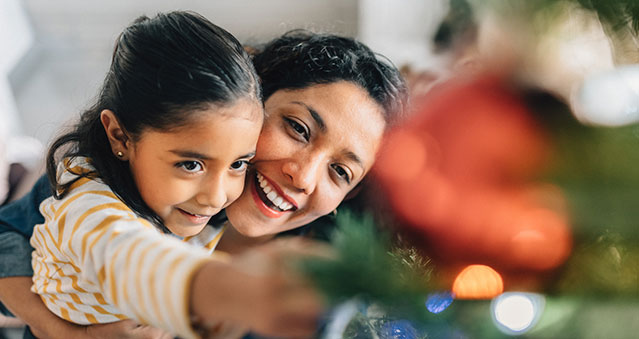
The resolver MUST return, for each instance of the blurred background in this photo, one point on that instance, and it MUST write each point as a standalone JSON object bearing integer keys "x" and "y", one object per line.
{"x": 511, "y": 192}
{"x": 59, "y": 51}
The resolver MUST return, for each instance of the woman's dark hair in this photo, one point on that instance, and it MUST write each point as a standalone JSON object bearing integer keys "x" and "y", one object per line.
{"x": 163, "y": 70}
{"x": 299, "y": 59}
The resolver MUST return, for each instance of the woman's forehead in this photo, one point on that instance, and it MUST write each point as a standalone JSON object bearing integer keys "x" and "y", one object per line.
{"x": 346, "y": 116}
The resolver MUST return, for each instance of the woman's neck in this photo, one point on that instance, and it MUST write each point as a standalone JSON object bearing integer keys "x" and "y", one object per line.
{"x": 233, "y": 242}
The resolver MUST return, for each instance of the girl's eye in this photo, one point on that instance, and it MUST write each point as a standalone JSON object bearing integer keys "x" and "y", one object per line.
{"x": 298, "y": 128}
{"x": 190, "y": 166}
{"x": 240, "y": 166}
{"x": 342, "y": 173}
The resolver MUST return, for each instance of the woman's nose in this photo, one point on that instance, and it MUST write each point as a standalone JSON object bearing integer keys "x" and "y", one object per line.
{"x": 304, "y": 172}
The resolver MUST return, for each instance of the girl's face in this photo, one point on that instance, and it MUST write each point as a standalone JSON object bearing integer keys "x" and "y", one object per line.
{"x": 189, "y": 174}
{"x": 317, "y": 143}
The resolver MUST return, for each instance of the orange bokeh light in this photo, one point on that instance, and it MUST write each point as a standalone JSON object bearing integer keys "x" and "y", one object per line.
{"x": 478, "y": 282}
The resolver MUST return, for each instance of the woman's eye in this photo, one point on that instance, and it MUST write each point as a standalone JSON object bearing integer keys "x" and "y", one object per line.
{"x": 298, "y": 128}
{"x": 190, "y": 166}
{"x": 342, "y": 173}
{"x": 240, "y": 166}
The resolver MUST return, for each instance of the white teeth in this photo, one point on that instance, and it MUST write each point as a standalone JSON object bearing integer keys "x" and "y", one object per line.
{"x": 272, "y": 195}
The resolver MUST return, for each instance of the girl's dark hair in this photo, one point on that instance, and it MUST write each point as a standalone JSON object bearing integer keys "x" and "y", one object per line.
{"x": 299, "y": 59}
{"x": 163, "y": 70}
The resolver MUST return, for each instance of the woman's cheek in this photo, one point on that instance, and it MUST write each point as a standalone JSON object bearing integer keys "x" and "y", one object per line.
{"x": 274, "y": 145}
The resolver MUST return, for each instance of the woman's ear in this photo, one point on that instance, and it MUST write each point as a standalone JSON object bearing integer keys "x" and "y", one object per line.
{"x": 116, "y": 134}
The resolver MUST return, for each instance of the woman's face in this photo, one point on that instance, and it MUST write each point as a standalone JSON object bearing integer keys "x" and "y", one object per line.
{"x": 317, "y": 143}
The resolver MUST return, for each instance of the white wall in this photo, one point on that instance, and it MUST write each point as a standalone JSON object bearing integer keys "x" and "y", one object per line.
{"x": 15, "y": 39}
{"x": 402, "y": 29}
{"x": 74, "y": 41}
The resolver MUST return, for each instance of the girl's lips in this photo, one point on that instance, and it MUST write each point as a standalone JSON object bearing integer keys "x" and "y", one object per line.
{"x": 195, "y": 218}
{"x": 263, "y": 204}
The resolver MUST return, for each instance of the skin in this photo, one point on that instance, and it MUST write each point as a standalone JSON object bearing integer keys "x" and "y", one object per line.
{"x": 187, "y": 175}
{"x": 311, "y": 165}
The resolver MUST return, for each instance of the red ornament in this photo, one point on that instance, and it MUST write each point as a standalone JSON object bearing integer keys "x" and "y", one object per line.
{"x": 463, "y": 172}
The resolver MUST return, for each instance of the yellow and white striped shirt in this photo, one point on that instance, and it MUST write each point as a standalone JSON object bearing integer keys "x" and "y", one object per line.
{"x": 96, "y": 261}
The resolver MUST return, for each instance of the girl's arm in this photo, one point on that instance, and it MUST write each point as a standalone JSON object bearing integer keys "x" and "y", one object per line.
{"x": 261, "y": 290}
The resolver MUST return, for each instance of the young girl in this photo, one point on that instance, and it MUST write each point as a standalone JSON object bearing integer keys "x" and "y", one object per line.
{"x": 165, "y": 147}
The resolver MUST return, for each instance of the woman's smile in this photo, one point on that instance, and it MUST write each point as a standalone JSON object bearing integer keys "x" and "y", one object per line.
{"x": 270, "y": 198}
{"x": 311, "y": 152}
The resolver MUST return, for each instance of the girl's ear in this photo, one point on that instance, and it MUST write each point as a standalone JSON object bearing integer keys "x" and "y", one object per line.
{"x": 115, "y": 133}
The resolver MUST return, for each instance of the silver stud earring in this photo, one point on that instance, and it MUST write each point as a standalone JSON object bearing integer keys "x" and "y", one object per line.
{"x": 119, "y": 154}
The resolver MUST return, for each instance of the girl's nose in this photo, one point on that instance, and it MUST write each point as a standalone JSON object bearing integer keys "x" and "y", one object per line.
{"x": 213, "y": 193}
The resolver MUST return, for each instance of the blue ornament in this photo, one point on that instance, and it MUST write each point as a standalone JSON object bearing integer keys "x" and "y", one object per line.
{"x": 398, "y": 329}
{"x": 439, "y": 301}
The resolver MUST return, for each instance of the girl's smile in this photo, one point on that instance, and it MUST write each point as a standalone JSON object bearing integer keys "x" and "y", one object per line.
{"x": 188, "y": 174}
{"x": 196, "y": 219}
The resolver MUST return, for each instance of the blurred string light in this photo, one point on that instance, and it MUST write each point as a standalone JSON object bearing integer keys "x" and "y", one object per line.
{"x": 478, "y": 282}
{"x": 609, "y": 98}
{"x": 516, "y": 313}
{"x": 398, "y": 329}
{"x": 339, "y": 319}
{"x": 439, "y": 301}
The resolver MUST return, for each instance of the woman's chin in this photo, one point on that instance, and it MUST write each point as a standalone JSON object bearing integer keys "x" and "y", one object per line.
{"x": 256, "y": 234}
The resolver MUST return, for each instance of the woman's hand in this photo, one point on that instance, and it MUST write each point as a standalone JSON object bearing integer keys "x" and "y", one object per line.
{"x": 15, "y": 293}
{"x": 260, "y": 289}
{"x": 126, "y": 329}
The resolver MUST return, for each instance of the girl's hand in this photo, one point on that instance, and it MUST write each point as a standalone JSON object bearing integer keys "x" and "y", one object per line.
{"x": 127, "y": 329}
{"x": 260, "y": 289}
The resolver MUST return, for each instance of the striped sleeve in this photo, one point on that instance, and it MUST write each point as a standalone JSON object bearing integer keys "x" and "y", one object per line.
{"x": 144, "y": 273}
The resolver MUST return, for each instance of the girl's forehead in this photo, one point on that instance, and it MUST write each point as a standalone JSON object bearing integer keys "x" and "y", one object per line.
{"x": 248, "y": 108}
{"x": 245, "y": 108}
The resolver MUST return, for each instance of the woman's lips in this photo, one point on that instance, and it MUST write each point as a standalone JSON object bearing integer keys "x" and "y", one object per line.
{"x": 269, "y": 198}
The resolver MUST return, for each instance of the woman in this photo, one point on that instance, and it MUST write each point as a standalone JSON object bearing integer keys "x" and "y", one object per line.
{"x": 329, "y": 100}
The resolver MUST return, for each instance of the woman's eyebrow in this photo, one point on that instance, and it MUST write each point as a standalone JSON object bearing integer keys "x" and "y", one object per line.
{"x": 316, "y": 116}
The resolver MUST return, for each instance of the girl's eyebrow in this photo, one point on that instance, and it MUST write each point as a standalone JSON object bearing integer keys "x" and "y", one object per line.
{"x": 190, "y": 154}
{"x": 247, "y": 155}
{"x": 357, "y": 160}
{"x": 316, "y": 116}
